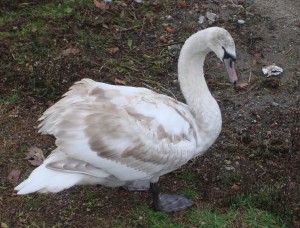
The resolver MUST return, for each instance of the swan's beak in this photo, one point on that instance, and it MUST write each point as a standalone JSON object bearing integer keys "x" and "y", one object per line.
{"x": 229, "y": 64}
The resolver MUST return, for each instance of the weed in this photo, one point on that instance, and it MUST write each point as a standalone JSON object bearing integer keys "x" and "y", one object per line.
{"x": 10, "y": 100}
{"x": 149, "y": 218}
{"x": 191, "y": 194}
{"x": 208, "y": 218}
{"x": 188, "y": 176}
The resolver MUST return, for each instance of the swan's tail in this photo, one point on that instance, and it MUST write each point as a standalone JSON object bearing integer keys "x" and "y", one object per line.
{"x": 44, "y": 179}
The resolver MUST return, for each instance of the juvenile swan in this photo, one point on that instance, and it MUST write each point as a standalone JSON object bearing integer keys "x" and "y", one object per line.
{"x": 119, "y": 135}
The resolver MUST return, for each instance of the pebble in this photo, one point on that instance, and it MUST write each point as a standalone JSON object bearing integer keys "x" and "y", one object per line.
{"x": 201, "y": 19}
{"x": 211, "y": 17}
{"x": 274, "y": 104}
{"x": 229, "y": 168}
{"x": 241, "y": 22}
{"x": 228, "y": 162}
{"x": 175, "y": 82}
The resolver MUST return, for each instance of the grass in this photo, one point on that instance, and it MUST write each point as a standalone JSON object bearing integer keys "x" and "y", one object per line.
{"x": 14, "y": 98}
{"x": 205, "y": 217}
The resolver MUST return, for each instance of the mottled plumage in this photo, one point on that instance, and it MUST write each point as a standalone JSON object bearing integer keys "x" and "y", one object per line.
{"x": 114, "y": 135}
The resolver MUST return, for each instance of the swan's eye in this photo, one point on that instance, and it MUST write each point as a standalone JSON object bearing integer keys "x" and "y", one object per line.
{"x": 228, "y": 56}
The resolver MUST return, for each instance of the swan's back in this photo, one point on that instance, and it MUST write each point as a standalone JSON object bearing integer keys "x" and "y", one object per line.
{"x": 130, "y": 133}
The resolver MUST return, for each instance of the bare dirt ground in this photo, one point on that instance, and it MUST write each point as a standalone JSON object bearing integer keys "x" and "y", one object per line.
{"x": 256, "y": 159}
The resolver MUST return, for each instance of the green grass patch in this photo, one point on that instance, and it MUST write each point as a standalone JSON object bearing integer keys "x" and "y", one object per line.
{"x": 14, "y": 98}
{"x": 243, "y": 217}
{"x": 146, "y": 217}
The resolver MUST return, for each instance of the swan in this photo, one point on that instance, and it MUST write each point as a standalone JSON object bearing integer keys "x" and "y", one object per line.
{"x": 118, "y": 135}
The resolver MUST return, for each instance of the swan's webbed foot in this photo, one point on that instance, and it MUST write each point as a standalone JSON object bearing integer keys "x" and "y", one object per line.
{"x": 168, "y": 203}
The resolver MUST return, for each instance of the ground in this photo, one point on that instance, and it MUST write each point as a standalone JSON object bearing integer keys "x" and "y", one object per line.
{"x": 249, "y": 178}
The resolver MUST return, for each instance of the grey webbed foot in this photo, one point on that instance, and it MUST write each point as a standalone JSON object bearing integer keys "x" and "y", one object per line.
{"x": 168, "y": 203}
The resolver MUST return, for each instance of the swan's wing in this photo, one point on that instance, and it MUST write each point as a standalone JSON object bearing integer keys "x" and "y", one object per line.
{"x": 130, "y": 134}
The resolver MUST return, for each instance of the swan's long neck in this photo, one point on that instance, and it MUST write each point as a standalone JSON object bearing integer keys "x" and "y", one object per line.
{"x": 194, "y": 88}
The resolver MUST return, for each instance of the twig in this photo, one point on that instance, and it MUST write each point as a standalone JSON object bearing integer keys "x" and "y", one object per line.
{"x": 130, "y": 68}
{"x": 286, "y": 53}
{"x": 102, "y": 66}
{"x": 142, "y": 29}
{"x": 249, "y": 79}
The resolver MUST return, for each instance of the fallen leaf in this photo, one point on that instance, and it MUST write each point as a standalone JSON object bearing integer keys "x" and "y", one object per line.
{"x": 122, "y": 14}
{"x": 35, "y": 156}
{"x": 181, "y": 4}
{"x": 119, "y": 81}
{"x": 235, "y": 187}
{"x": 101, "y": 5}
{"x": 241, "y": 2}
{"x": 205, "y": 6}
{"x": 196, "y": 5}
{"x": 258, "y": 55}
{"x": 13, "y": 176}
{"x": 4, "y": 225}
{"x": 170, "y": 30}
{"x": 256, "y": 114}
{"x": 70, "y": 51}
{"x": 112, "y": 50}
{"x": 150, "y": 16}
{"x": 164, "y": 39}
{"x": 243, "y": 85}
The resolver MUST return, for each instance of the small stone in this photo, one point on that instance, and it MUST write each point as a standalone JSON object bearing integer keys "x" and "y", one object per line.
{"x": 274, "y": 104}
{"x": 169, "y": 17}
{"x": 235, "y": 187}
{"x": 175, "y": 82}
{"x": 241, "y": 22}
{"x": 211, "y": 17}
{"x": 228, "y": 162}
{"x": 229, "y": 168}
{"x": 201, "y": 19}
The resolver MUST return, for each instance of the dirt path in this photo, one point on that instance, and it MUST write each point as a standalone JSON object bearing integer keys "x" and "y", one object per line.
{"x": 282, "y": 33}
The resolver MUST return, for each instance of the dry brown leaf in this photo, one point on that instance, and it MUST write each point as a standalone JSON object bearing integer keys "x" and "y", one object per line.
{"x": 150, "y": 16}
{"x": 181, "y": 4}
{"x": 164, "y": 39}
{"x": 120, "y": 81}
{"x": 243, "y": 85}
{"x": 70, "y": 51}
{"x": 235, "y": 187}
{"x": 35, "y": 156}
{"x": 170, "y": 30}
{"x": 258, "y": 55}
{"x": 13, "y": 176}
{"x": 112, "y": 50}
{"x": 101, "y": 5}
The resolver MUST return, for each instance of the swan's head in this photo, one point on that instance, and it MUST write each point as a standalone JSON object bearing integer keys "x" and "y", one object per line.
{"x": 223, "y": 45}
